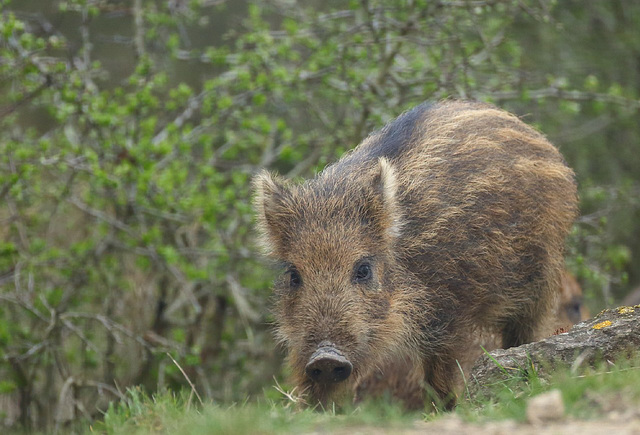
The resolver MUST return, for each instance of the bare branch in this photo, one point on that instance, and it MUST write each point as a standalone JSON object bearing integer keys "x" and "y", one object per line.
{"x": 570, "y": 95}
{"x": 138, "y": 22}
{"x": 102, "y": 216}
{"x": 112, "y": 326}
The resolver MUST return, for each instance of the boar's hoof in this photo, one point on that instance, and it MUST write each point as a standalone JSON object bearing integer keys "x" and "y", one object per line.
{"x": 328, "y": 365}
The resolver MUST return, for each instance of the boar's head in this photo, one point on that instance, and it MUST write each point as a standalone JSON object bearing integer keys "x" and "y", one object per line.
{"x": 337, "y": 310}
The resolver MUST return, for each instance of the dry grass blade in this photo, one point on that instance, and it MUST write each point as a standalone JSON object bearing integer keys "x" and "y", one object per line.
{"x": 193, "y": 388}
{"x": 290, "y": 395}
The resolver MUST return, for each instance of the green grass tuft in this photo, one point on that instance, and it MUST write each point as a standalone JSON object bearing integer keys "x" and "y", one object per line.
{"x": 170, "y": 413}
{"x": 590, "y": 394}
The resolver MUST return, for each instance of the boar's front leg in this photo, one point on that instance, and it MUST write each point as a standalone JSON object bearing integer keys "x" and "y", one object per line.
{"x": 440, "y": 379}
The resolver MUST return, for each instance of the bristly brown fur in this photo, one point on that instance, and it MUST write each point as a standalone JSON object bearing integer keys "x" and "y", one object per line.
{"x": 401, "y": 380}
{"x": 462, "y": 212}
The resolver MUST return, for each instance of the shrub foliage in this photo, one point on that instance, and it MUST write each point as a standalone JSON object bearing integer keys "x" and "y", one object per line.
{"x": 129, "y": 132}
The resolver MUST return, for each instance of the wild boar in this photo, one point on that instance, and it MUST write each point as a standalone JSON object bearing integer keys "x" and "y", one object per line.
{"x": 401, "y": 381}
{"x": 571, "y": 308}
{"x": 451, "y": 218}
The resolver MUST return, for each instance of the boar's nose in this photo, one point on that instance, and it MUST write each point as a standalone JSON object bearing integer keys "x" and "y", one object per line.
{"x": 328, "y": 365}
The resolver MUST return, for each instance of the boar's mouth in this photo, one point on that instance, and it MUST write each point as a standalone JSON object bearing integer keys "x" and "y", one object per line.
{"x": 328, "y": 365}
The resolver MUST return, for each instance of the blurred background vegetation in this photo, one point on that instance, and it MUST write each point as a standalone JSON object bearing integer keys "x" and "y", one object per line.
{"x": 130, "y": 129}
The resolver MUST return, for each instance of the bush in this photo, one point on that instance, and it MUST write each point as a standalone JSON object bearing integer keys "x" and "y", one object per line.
{"x": 129, "y": 134}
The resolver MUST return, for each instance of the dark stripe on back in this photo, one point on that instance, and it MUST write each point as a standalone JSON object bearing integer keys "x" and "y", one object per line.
{"x": 390, "y": 141}
{"x": 393, "y": 137}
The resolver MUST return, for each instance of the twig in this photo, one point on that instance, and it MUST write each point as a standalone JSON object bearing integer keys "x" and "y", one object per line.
{"x": 26, "y": 305}
{"x": 102, "y": 216}
{"x": 73, "y": 328}
{"x": 48, "y": 82}
{"x": 61, "y": 401}
{"x": 32, "y": 351}
{"x": 193, "y": 388}
{"x": 110, "y": 325}
{"x": 571, "y": 95}
{"x": 138, "y": 20}
{"x": 100, "y": 386}
{"x": 193, "y": 105}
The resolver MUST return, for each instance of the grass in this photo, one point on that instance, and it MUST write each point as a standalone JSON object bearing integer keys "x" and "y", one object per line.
{"x": 170, "y": 413}
{"x": 590, "y": 394}
{"x": 587, "y": 395}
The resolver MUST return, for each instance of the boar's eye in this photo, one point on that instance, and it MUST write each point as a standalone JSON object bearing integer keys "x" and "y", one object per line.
{"x": 295, "y": 280}
{"x": 363, "y": 272}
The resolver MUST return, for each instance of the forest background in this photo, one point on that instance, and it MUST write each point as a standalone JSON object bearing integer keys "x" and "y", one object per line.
{"x": 130, "y": 130}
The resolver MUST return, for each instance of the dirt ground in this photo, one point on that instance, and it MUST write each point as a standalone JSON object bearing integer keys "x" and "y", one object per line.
{"x": 545, "y": 415}
{"x": 454, "y": 425}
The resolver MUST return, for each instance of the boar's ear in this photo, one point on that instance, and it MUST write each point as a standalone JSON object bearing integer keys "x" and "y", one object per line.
{"x": 385, "y": 183}
{"x": 269, "y": 203}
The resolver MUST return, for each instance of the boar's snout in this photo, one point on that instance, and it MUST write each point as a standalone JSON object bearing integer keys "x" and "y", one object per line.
{"x": 328, "y": 365}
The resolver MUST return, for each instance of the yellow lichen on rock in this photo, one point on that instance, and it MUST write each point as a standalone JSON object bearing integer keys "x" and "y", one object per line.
{"x": 626, "y": 310}
{"x": 602, "y": 324}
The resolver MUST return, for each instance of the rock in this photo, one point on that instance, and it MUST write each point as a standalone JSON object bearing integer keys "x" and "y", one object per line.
{"x": 611, "y": 334}
{"x": 545, "y": 407}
